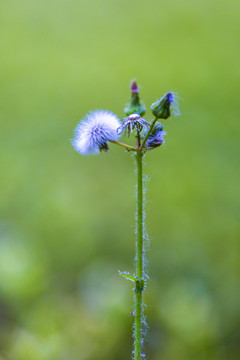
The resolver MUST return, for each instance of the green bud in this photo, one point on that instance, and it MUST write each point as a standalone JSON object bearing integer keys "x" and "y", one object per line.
{"x": 161, "y": 108}
{"x": 135, "y": 106}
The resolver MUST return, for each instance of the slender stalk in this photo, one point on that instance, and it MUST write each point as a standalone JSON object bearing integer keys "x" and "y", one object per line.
{"x": 127, "y": 147}
{"x": 139, "y": 261}
{"x": 148, "y": 133}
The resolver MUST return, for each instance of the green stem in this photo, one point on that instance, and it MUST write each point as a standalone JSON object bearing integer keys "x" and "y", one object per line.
{"x": 139, "y": 261}
{"x": 148, "y": 133}
{"x": 127, "y": 147}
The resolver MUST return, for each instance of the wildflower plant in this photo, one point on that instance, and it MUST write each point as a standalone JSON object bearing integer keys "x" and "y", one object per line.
{"x": 93, "y": 135}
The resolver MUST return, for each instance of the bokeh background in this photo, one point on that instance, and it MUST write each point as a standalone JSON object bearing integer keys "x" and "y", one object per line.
{"x": 67, "y": 222}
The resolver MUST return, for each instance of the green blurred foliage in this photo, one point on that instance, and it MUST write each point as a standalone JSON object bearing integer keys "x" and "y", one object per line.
{"x": 67, "y": 222}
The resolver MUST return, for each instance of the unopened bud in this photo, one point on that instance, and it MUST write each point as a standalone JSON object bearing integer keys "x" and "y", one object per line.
{"x": 156, "y": 138}
{"x": 162, "y": 108}
{"x": 134, "y": 87}
{"x": 135, "y": 106}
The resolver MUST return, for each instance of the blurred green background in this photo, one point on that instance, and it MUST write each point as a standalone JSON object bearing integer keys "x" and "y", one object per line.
{"x": 67, "y": 222}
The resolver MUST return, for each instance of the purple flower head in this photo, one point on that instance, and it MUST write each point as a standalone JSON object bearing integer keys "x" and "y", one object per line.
{"x": 170, "y": 97}
{"x": 93, "y": 133}
{"x": 133, "y": 122}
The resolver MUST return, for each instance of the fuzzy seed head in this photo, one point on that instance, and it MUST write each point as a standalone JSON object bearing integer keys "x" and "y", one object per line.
{"x": 93, "y": 133}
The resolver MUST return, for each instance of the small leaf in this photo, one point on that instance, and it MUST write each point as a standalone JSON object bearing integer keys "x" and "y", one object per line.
{"x": 127, "y": 276}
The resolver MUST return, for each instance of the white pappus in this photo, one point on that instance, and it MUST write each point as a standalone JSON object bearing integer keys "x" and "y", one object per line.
{"x": 93, "y": 133}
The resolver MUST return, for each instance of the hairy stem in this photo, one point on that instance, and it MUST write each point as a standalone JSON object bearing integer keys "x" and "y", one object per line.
{"x": 139, "y": 261}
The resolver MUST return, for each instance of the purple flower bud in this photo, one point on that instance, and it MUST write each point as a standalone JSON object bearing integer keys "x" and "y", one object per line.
{"x": 156, "y": 138}
{"x": 134, "y": 87}
{"x": 135, "y": 106}
{"x": 163, "y": 107}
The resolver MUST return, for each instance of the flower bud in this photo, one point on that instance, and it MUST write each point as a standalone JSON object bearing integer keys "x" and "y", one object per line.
{"x": 162, "y": 108}
{"x": 156, "y": 138}
{"x": 135, "y": 106}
